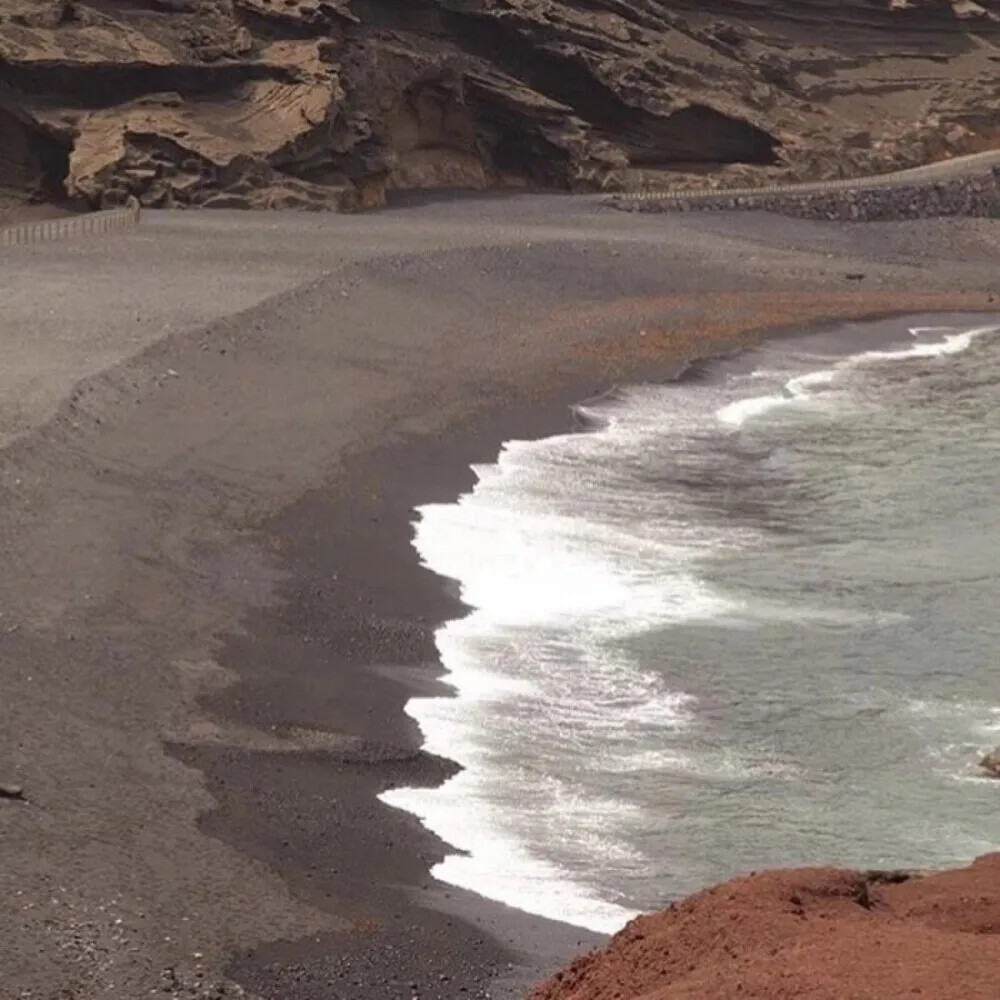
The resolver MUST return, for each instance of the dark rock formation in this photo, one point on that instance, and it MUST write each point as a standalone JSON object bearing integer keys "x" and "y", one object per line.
{"x": 15, "y": 792}
{"x": 991, "y": 763}
{"x": 32, "y": 158}
{"x": 320, "y": 103}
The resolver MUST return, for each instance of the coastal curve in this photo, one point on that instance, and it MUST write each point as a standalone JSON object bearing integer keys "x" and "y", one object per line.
{"x": 215, "y": 428}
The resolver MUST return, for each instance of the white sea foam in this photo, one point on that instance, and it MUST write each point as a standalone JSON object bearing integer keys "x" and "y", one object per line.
{"x": 560, "y": 573}
{"x": 953, "y": 343}
{"x": 726, "y": 765}
{"x": 961, "y": 731}
{"x": 655, "y": 761}
{"x": 764, "y": 612}
{"x": 976, "y": 714}
{"x": 497, "y": 864}
{"x": 812, "y": 387}
{"x": 801, "y": 388}
{"x": 730, "y": 766}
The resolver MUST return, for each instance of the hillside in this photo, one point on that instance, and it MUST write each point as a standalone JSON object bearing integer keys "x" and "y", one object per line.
{"x": 331, "y": 103}
{"x": 809, "y": 934}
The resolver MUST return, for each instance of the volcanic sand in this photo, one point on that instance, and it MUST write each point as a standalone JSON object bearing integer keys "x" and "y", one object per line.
{"x": 214, "y": 429}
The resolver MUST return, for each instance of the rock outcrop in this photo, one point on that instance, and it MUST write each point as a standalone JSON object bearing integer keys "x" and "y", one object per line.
{"x": 333, "y": 103}
{"x": 991, "y": 763}
{"x": 809, "y": 934}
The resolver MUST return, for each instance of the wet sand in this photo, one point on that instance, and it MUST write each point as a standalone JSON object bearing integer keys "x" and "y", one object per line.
{"x": 215, "y": 429}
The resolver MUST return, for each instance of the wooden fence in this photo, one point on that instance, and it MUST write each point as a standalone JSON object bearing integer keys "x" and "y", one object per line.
{"x": 92, "y": 224}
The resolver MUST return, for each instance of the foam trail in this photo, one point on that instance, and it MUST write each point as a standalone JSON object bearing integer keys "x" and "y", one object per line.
{"x": 954, "y": 343}
{"x": 498, "y": 865}
{"x": 559, "y": 574}
{"x": 803, "y": 388}
{"x": 798, "y": 389}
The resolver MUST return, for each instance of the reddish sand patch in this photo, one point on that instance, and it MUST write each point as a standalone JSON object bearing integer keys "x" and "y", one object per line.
{"x": 807, "y": 934}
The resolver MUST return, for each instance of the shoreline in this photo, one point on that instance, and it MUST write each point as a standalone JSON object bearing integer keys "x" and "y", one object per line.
{"x": 392, "y": 618}
{"x": 176, "y": 543}
{"x": 842, "y": 339}
{"x": 403, "y": 606}
{"x": 435, "y": 927}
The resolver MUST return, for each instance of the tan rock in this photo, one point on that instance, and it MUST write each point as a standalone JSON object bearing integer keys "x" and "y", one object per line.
{"x": 605, "y": 95}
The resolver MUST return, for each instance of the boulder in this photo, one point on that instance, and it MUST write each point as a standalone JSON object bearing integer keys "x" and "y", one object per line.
{"x": 991, "y": 763}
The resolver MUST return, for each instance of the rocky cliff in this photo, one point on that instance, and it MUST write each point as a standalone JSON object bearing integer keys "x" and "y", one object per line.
{"x": 332, "y": 103}
{"x": 811, "y": 934}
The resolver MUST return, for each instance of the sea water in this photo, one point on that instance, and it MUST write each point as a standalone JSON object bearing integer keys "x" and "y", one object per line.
{"x": 748, "y": 618}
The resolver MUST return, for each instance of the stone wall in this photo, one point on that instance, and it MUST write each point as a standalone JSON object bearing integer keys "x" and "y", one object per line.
{"x": 977, "y": 195}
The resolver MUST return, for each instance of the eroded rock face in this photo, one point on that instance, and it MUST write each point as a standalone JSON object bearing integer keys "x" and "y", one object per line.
{"x": 332, "y": 103}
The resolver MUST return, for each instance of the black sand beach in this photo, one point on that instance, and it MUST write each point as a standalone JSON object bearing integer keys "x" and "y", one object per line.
{"x": 216, "y": 429}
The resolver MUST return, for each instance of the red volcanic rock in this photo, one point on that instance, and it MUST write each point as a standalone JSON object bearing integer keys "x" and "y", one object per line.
{"x": 807, "y": 934}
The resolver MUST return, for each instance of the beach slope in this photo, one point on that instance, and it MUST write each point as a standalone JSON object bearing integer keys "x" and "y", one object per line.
{"x": 214, "y": 430}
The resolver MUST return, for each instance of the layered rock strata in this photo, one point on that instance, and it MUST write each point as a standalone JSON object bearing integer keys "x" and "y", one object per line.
{"x": 334, "y": 103}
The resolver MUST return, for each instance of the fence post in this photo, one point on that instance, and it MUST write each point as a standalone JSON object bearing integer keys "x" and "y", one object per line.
{"x": 95, "y": 223}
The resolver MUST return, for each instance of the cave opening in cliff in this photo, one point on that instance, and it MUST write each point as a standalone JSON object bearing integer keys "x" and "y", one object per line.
{"x": 107, "y": 85}
{"x": 696, "y": 134}
{"x": 33, "y": 164}
{"x": 519, "y": 155}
